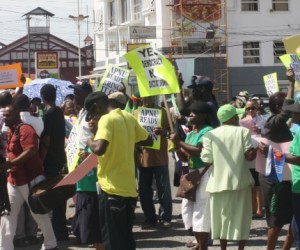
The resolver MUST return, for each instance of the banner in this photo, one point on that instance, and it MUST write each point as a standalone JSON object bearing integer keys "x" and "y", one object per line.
{"x": 271, "y": 83}
{"x": 151, "y": 119}
{"x": 154, "y": 72}
{"x": 72, "y": 150}
{"x": 113, "y": 80}
{"x": 10, "y": 76}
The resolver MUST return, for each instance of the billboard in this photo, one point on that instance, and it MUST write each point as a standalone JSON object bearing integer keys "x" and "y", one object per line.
{"x": 47, "y": 61}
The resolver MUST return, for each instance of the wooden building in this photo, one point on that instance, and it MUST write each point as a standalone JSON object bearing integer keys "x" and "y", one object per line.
{"x": 39, "y": 39}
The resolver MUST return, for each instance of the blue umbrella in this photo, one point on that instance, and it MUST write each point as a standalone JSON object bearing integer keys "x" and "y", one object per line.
{"x": 33, "y": 88}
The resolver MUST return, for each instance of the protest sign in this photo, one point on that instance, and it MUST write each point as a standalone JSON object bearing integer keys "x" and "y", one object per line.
{"x": 72, "y": 150}
{"x": 10, "y": 76}
{"x": 271, "y": 83}
{"x": 151, "y": 119}
{"x": 261, "y": 160}
{"x": 81, "y": 171}
{"x": 113, "y": 79}
{"x": 154, "y": 72}
{"x": 293, "y": 61}
{"x": 292, "y": 44}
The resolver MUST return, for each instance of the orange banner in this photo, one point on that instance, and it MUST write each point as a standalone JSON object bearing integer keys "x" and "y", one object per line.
{"x": 10, "y": 76}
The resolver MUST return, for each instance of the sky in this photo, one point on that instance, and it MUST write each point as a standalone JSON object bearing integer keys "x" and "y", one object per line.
{"x": 13, "y": 25}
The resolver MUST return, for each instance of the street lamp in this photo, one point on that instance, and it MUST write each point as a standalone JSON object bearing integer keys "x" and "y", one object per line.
{"x": 78, "y": 19}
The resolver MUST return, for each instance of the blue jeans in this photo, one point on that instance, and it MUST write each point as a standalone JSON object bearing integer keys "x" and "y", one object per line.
{"x": 296, "y": 219}
{"x": 161, "y": 174}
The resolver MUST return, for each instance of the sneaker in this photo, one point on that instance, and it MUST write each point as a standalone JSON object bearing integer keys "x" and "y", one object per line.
{"x": 165, "y": 224}
{"x": 149, "y": 225}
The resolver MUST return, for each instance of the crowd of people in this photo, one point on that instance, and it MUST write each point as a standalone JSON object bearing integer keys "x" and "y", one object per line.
{"x": 225, "y": 140}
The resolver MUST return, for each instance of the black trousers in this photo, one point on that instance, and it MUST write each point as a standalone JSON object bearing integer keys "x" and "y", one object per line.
{"x": 116, "y": 221}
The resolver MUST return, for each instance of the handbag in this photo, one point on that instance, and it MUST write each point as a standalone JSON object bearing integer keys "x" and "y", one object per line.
{"x": 43, "y": 197}
{"x": 188, "y": 184}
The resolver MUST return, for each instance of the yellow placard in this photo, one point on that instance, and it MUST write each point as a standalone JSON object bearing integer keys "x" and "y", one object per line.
{"x": 10, "y": 76}
{"x": 154, "y": 72}
{"x": 114, "y": 79}
{"x": 150, "y": 119}
{"x": 292, "y": 44}
{"x": 271, "y": 83}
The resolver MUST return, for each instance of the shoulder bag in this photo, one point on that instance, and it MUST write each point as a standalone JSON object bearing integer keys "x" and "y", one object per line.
{"x": 188, "y": 184}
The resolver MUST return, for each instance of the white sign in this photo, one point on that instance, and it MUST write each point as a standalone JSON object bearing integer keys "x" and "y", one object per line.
{"x": 142, "y": 32}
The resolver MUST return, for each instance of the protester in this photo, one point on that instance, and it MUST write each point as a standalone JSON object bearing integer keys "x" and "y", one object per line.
{"x": 196, "y": 215}
{"x": 261, "y": 109}
{"x": 36, "y": 107}
{"x": 52, "y": 153}
{"x": 5, "y": 100}
{"x": 25, "y": 166}
{"x": 82, "y": 127}
{"x": 294, "y": 158}
{"x": 86, "y": 226}
{"x": 228, "y": 148}
{"x": 119, "y": 99}
{"x": 114, "y": 143}
{"x": 133, "y": 102}
{"x": 26, "y": 232}
{"x": 278, "y": 213}
{"x": 202, "y": 88}
{"x": 70, "y": 115}
{"x": 255, "y": 123}
{"x": 154, "y": 163}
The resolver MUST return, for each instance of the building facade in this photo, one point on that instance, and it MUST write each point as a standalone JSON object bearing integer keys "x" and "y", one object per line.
{"x": 39, "y": 39}
{"x": 235, "y": 42}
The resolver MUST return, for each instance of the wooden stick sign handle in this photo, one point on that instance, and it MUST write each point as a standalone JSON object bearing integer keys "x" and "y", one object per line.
{"x": 168, "y": 114}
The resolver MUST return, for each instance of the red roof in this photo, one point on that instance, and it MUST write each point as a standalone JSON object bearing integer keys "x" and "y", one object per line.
{"x": 88, "y": 39}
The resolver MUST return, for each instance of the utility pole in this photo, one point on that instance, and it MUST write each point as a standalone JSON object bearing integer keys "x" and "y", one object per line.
{"x": 78, "y": 20}
{"x": 28, "y": 49}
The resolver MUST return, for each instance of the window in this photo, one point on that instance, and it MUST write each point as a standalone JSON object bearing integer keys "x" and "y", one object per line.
{"x": 280, "y": 5}
{"x": 251, "y": 52}
{"x": 71, "y": 64}
{"x": 112, "y": 14}
{"x": 137, "y": 8}
{"x": 63, "y": 54}
{"x": 13, "y": 55}
{"x": 44, "y": 45}
{"x": 249, "y": 5}
{"x": 19, "y": 55}
{"x": 125, "y": 11}
{"x": 63, "y": 64}
{"x": 278, "y": 50}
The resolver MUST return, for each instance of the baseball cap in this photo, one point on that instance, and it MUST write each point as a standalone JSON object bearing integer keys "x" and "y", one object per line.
{"x": 92, "y": 101}
{"x": 83, "y": 87}
{"x": 93, "y": 98}
{"x": 118, "y": 97}
{"x": 226, "y": 112}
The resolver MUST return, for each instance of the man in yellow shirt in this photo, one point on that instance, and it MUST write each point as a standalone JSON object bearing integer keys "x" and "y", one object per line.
{"x": 114, "y": 142}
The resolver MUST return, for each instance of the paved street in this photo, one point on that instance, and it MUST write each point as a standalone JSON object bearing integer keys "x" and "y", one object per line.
{"x": 177, "y": 236}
